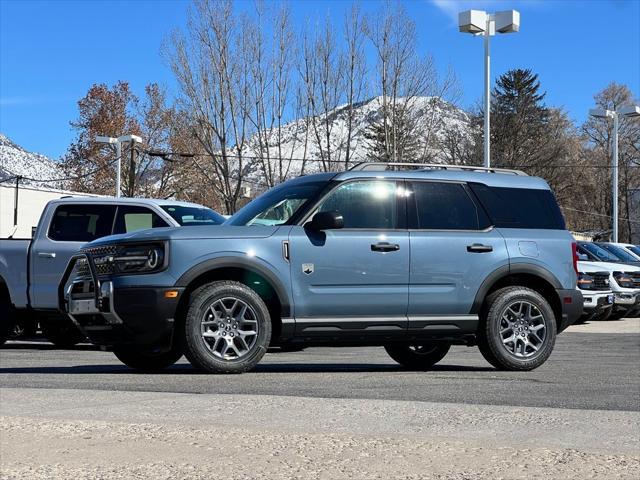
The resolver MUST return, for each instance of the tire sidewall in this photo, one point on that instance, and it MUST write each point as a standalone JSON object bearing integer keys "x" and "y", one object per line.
{"x": 493, "y": 340}
{"x": 196, "y": 350}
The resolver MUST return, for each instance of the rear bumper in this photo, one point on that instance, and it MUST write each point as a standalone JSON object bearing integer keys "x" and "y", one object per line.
{"x": 572, "y": 307}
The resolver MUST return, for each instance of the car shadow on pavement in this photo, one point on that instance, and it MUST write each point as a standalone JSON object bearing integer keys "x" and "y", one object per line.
{"x": 43, "y": 345}
{"x": 186, "y": 369}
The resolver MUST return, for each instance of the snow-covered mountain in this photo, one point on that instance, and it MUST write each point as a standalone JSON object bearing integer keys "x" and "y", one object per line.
{"x": 432, "y": 118}
{"x": 36, "y": 168}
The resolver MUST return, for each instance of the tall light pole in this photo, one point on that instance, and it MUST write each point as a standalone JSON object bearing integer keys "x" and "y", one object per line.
{"x": 628, "y": 111}
{"x": 118, "y": 143}
{"x": 478, "y": 22}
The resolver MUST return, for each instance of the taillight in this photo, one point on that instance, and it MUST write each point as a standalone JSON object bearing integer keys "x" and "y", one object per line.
{"x": 574, "y": 253}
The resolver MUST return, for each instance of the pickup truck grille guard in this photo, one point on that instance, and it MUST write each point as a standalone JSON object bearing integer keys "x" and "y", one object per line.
{"x": 102, "y": 301}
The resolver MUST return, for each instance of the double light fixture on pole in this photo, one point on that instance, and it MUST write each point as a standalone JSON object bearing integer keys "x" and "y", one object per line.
{"x": 133, "y": 139}
{"x": 478, "y": 22}
{"x": 628, "y": 111}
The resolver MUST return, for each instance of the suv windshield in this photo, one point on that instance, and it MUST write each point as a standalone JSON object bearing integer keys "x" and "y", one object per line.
{"x": 189, "y": 216}
{"x": 278, "y": 205}
{"x": 599, "y": 253}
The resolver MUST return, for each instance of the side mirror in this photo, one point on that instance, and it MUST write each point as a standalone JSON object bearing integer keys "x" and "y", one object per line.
{"x": 326, "y": 221}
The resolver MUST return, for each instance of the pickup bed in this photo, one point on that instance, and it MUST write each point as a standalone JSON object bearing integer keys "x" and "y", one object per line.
{"x": 30, "y": 269}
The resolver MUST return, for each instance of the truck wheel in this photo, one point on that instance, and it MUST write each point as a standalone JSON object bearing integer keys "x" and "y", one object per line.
{"x": 62, "y": 333}
{"x": 22, "y": 329}
{"x": 6, "y": 319}
{"x": 148, "y": 361}
{"x": 227, "y": 328}
{"x": 601, "y": 316}
{"x": 619, "y": 315}
{"x": 418, "y": 357}
{"x": 518, "y": 330}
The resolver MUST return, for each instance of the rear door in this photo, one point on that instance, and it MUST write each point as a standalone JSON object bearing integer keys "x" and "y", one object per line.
{"x": 453, "y": 249}
{"x": 71, "y": 226}
{"x": 355, "y": 279}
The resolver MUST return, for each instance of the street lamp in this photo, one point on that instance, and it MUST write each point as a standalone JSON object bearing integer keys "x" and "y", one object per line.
{"x": 478, "y": 22}
{"x": 118, "y": 143}
{"x": 628, "y": 111}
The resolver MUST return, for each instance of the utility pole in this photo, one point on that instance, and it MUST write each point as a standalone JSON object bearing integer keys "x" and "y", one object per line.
{"x": 133, "y": 139}
{"x": 132, "y": 170}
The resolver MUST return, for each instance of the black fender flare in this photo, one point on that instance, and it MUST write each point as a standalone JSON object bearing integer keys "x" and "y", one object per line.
{"x": 506, "y": 270}
{"x": 238, "y": 262}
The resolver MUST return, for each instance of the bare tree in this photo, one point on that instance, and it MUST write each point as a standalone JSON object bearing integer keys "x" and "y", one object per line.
{"x": 209, "y": 62}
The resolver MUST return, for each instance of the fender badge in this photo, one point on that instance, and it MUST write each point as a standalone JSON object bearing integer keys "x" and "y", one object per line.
{"x": 307, "y": 268}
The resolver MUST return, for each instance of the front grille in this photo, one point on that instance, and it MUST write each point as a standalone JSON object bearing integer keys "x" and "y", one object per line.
{"x": 600, "y": 280}
{"x": 101, "y": 268}
{"x": 636, "y": 280}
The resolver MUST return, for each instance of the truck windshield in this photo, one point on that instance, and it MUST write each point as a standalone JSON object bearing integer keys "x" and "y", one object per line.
{"x": 618, "y": 252}
{"x": 600, "y": 253}
{"x": 190, "y": 216}
{"x": 278, "y": 205}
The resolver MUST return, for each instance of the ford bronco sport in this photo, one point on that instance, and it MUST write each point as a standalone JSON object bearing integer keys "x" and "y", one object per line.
{"x": 414, "y": 258}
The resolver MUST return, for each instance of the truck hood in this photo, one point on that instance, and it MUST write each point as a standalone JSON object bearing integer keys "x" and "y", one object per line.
{"x": 188, "y": 233}
{"x": 585, "y": 266}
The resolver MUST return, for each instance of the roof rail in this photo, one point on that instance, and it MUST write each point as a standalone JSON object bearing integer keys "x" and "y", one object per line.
{"x": 362, "y": 166}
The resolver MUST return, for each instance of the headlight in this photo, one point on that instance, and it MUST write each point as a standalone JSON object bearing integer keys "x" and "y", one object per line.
{"x": 585, "y": 281}
{"x": 135, "y": 258}
{"x": 623, "y": 279}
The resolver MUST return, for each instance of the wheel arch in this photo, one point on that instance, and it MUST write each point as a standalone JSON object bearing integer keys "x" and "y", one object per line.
{"x": 255, "y": 276}
{"x": 527, "y": 275}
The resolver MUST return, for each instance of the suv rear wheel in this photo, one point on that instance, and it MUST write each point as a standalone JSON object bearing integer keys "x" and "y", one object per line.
{"x": 418, "y": 357}
{"x": 518, "y": 331}
{"x": 227, "y": 328}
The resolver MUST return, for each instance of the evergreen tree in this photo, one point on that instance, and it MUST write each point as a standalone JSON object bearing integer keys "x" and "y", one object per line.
{"x": 395, "y": 139}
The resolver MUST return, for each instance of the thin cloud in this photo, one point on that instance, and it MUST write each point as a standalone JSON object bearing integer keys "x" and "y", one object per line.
{"x": 451, "y": 8}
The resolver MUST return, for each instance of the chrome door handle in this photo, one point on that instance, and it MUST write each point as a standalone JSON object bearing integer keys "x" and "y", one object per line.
{"x": 385, "y": 247}
{"x": 47, "y": 254}
{"x": 479, "y": 248}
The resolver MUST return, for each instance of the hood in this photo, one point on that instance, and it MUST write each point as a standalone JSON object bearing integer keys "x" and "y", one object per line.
{"x": 187, "y": 233}
{"x": 587, "y": 266}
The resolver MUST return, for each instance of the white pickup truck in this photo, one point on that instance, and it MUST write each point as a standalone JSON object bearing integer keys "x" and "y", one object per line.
{"x": 30, "y": 269}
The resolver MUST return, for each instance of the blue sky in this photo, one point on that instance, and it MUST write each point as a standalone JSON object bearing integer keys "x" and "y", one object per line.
{"x": 51, "y": 52}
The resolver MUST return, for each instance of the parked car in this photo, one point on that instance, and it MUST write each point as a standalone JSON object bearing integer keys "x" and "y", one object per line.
{"x": 601, "y": 252}
{"x": 594, "y": 284}
{"x": 30, "y": 269}
{"x": 633, "y": 249}
{"x": 624, "y": 280}
{"x": 412, "y": 260}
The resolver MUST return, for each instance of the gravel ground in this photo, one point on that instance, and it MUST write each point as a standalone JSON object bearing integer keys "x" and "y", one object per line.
{"x": 105, "y": 425}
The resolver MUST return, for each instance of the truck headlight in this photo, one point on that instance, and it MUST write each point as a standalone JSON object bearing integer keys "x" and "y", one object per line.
{"x": 585, "y": 281}
{"x": 623, "y": 279}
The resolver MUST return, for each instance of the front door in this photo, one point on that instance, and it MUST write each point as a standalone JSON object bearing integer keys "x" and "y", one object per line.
{"x": 353, "y": 280}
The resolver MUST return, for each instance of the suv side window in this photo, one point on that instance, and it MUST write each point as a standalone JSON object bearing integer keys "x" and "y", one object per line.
{"x": 444, "y": 206}
{"x": 81, "y": 223}
{"x": 365, "y": 204}
{"x": 132, "y": 218}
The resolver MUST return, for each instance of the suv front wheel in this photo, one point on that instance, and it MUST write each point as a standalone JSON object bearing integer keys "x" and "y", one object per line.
{"x": 518, "y": 329}
{"x": 227, "y": 328}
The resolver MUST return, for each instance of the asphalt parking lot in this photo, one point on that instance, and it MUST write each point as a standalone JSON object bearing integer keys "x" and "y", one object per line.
{"x": 578, "y": 416}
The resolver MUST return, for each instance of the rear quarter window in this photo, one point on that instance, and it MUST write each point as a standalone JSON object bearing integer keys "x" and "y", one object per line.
{"x": 520, "y": 207}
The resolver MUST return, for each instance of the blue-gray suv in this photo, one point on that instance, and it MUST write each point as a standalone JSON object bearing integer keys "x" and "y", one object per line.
{"x": 411, "y": 259}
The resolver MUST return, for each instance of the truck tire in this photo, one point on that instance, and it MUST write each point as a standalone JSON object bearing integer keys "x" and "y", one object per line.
{"x": 62, "y": 333}
{"x": 6, "y": 319}
{"x": 602, "y": 315}
{"x": 146, "y": 361}
{"x": 517, "y": 330}
{"x": 418, "y": 357}
{"x": 227, "y": 328}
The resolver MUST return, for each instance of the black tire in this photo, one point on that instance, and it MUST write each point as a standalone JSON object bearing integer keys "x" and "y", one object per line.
{"x": 23, "y": 328}
{"x": 62, "y": 333}
{"x": 211, "y": 355}
{"x": 490, "y": 340}
{"x": 602, "y": 315}
{"x": 6, "y": 319}
{"x": 146, "y": 361}
{"x": 418, "y": 357}
{"x": 619, "y": 315}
